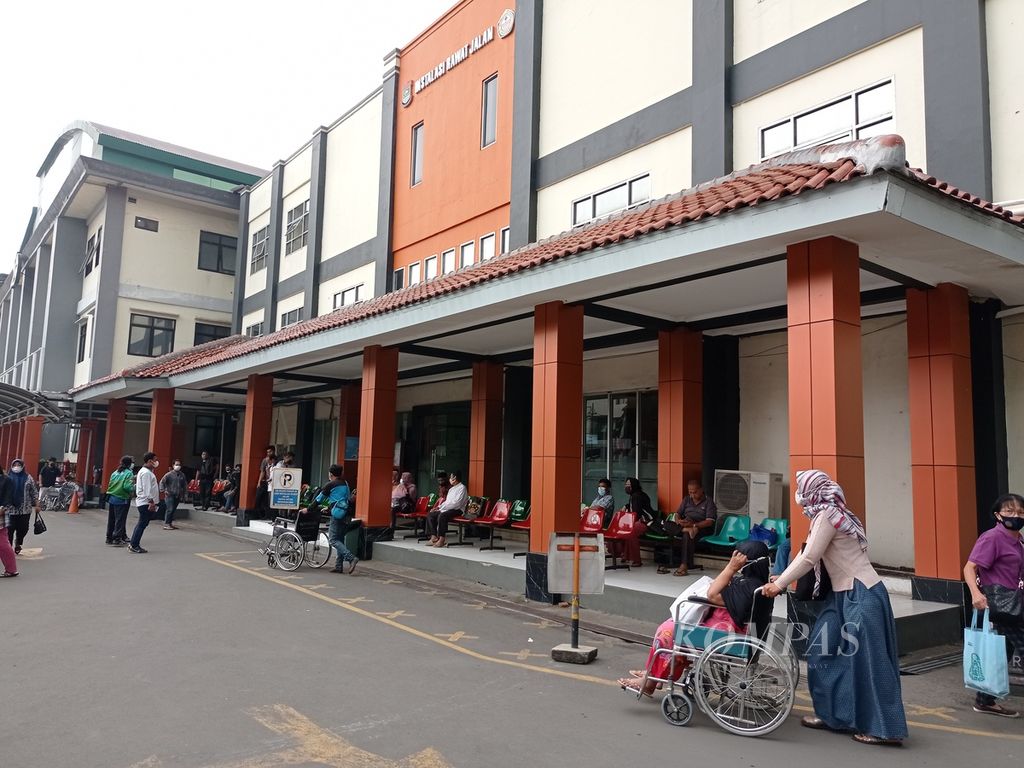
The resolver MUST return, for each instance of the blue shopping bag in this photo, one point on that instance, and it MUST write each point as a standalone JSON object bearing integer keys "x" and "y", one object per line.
{"x": 985, "y": 667}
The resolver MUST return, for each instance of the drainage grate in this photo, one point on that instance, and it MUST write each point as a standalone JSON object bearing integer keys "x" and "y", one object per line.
{"x": 919, "y": 668}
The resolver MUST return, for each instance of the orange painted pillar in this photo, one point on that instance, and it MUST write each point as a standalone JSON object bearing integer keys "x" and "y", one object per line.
{"x": 114, "y": 442}
{"x": 348, "y": 427}
{"x": 379, "y": 399}
{"x": 941, "y": 429}
{"x": 485, "y": 429}
{"x": 826, "y": 397}
{"x": 86, "y": 446}
{"x": 33, "y": 444}
{"x": 19, "y": 440}
{"x": 5, "y": 438}
{"x": 680, "y": 414}
{"x": 161, "y": 426}
{"x": 557, "y": 422}
{"x": 259, "y": 412}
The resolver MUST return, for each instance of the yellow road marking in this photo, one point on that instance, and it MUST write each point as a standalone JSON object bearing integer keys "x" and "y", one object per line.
{"x": 547, "y": 670}
{"x": 396, "y": 614}
{"x": 456, "y": 636}
{"x": 354, "y": 600}
{"x": 523, "y": 655}
{"x": 475, "y": 606}
{"x": 319, "y": 586}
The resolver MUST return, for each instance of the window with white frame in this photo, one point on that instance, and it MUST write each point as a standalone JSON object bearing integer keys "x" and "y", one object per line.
{"x": 489, "y": 112}
{"x": 617, "y": 197}
{"x": 83, "y": 335}
{"x": 258, "y": 256}
{"x": 291, "y": 318}
{"x": 349, "y": 296}
{"x": 414, "y": 273}
{"x": 254, "y": 330}
{"x": 90, "y": 252}
{"x": 859, "y": 114}
{"x": 448, "y": 261}
{"x": 297, "y": 232}
{"x": 430, "y": 267}
{"x": 487, "y": 247}
{"x": 504, "y": 240}
{"x": 467, "y": 254}
{"x": 417, "y": 155}
{"x": 398, "y": 282}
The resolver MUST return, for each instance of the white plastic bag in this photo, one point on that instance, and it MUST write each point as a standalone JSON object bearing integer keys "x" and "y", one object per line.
{"x": 691, "y": 613}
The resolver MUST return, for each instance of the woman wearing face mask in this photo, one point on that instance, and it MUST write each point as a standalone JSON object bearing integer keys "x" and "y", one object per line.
{"x": 7, "y": 558}
{"x": 604, "y": 500}
{"x": 998, "y": 558}
{"x": 21, "y": 499}
{"x": 173, "y": 485}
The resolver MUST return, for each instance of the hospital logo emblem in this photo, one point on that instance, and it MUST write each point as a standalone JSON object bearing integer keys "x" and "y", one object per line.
{"x": 506, "y": 22}
{"x": 407, "y": 94}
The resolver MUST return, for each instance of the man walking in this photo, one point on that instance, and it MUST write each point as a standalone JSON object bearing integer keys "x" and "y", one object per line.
{"x": 262, "y": 485}
{"x": 335, "y": 495}
{"x": 207, "y": 473}
{"x": 147, "y": 494}
{"x": 173, "y": 485}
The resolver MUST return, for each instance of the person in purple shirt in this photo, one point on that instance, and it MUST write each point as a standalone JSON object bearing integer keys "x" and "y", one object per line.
{"x": 998, "y": 558}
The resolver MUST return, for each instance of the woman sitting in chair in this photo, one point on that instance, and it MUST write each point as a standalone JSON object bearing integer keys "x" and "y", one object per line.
{"x": 732, "y": 594}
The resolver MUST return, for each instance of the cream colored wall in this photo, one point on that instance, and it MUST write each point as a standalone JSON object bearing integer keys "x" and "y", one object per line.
{"x": 1004, "y": 28}
{"x": 297, "y": 172}
{"x": 169, "y": 258}
{"x": 764, "y": 427}
{"x": 899, "y": 58}
{"x": 184, "y": 330}
{"x": 667, "y": 160}
{"x": 454, "y": 390}
{"x": 255, "y": 283}
{"x": 1013, "y": 378}
{"x": 760, "y": 24}
{"x": 252, "y": 318}
{"x": 352, "y": 181}
{"x": 602, "y": 63}
{"x": 259, "y": 198}
{"x": 363, "y": 275}
{"x": 621, "y": 373}
{"x": 294, "y": 262}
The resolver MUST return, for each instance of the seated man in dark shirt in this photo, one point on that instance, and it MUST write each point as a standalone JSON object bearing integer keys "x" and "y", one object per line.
{"x": 695, "y": 518}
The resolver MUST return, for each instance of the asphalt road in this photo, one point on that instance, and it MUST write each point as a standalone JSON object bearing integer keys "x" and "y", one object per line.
{"x": 196, "y": 654}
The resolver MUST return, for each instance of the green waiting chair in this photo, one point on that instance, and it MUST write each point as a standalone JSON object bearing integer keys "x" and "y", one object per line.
{"x": 520, "y": 519}
{"x": 731, "y": 529}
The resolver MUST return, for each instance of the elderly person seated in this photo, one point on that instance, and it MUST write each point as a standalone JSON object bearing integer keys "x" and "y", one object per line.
{"x": 732, "y": 593}
{"x": 604, "y": 500}
{"x": 403, "y": 495}
{"x": 694, "y": 519}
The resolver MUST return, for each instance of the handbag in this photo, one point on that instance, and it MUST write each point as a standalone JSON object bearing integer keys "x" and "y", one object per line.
{"x": 985, "y": 667}
{"x": 768, "y": 536}
{"x": 1006, "y": 605}
{"x": 39, "y": 526}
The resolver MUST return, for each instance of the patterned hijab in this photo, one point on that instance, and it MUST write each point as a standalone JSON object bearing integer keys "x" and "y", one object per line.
{"x": 818, "y": 493}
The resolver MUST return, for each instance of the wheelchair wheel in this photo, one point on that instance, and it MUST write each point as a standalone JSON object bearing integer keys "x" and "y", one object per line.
{"x": 744, "y": 685}
{"x": 677, "y": 708}
{"x": 317, "y": 554}
{"x": 288, "y": 549}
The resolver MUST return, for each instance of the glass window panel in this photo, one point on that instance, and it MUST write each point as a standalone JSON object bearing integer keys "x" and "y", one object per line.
{"x": 505, "y": 240}
{"x": 399, "y": 279}
{"x": 825, "y": 121}
{"x": 468, "y": 255}
{"x": 417, "y": 154}
{"x": 622, "y": 438}
{"x": 613, "y": 199}
{"x": 487, "y": 247}
{"x": 163, "y": 342}
{"x": 647, "y": 472}
{"x": 595, "y": 444}
{"x": 876, "y": 102}
{"x": 209, "y": 256}
{"x": 777, "y": 139}
{"x": 582, "y": 211}
{"x": 414, "y": 273}
{"x": 880, "y": 128}
{"x": 448, "y": 261}
{"x": 431, "y": 267}
{"x": 640, "y": 190}
{"x": 489, "y": 116}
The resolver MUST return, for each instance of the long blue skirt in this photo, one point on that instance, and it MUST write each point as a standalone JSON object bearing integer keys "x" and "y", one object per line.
{"x": 852, "y": 667}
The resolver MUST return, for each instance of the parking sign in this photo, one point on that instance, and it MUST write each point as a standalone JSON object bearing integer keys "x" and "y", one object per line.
{"x": 285, "y": 485}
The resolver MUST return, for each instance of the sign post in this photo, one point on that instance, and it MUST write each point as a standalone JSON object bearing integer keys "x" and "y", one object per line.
{"x": 576, "y": 563}
{"x": 285, "y": 487}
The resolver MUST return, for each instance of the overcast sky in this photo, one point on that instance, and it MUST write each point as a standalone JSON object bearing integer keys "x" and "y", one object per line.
{"x": 248, "y": 80}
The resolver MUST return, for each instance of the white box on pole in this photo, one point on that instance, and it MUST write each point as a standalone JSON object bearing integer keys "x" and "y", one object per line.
{"x": 560, "y": 553}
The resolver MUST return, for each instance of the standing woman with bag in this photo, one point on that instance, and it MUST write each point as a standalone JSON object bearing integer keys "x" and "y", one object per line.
{"x": 21, "y": 499}
{"x": 996, "y": 565}
{"x": 852, "y": 668}
{"x": 7, "y": 558}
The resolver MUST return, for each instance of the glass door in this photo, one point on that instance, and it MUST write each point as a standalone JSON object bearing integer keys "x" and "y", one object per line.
{"x": 595, "y": 444}
{"x": 440, "y": 438}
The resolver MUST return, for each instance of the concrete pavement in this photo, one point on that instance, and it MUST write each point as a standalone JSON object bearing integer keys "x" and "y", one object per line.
{"x": 197, "y": 654}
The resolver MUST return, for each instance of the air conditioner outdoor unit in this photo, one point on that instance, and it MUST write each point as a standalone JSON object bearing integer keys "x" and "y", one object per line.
{"x": 757, "y": 494}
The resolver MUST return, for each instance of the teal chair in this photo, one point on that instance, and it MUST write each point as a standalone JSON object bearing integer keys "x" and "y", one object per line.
{"x": 781, "y": 527}
{"x": 731, "y": 529}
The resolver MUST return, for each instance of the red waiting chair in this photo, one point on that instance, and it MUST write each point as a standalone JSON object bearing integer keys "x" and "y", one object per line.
{"x": 620, "y": 530}
{"x": 498, "y": 517}
{"x": 592, "y": 520}
{"x": 418, "y": 517}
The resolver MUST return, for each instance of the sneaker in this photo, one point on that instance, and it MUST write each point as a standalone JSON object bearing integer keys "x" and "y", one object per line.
{"x": 170, "y": 528}
{"x": 17, "y": 549}
{"x": 137, "y": 550}
{"x": 112, "y": 543}
{"x": 352, "y": 564}
{"x": 120, "y": 542}
{"x": 338, "y": 568}
{"x": 996, "y": 709}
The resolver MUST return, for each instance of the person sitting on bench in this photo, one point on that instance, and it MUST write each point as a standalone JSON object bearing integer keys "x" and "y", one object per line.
{"x": 694, "y": 519}
{"x": 454, "y": 504}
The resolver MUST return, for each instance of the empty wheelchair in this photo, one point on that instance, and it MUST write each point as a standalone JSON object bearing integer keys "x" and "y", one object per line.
{"x": 303, "y": 540}
{"x": 742, "y": 682}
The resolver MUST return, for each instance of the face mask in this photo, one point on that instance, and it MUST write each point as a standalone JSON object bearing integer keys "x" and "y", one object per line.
{"x": 155, "y": 463}
{"x": 16, "y": 470}
{"x": 1012, "y": 523}
{"x": 177, "y": 467}
{"x": 601, "y": 490}
{"x": 799, "y": 498}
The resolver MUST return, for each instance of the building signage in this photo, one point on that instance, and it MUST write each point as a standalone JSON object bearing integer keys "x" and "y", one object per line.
{"x": 285, "y": 485}
{"x": 504, "y": 28}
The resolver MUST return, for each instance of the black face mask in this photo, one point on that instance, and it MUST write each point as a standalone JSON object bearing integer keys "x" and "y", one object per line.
{"x": 1012, "y": 523}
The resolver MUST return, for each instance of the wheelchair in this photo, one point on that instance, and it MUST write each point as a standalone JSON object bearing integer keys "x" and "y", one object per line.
{"x": 303, "y": 540}
{"x": 745, "y": 684}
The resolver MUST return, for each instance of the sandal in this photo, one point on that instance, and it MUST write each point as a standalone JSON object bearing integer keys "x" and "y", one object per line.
{"x": 633, "y": 686}
{"x": 814, "y": 722}
{"x": 662, "y": 569}
{"x": 9, "y": 575}
{"x": 638, "y": 673}
{"x": 681, "y": 572}
{"x": 867, "y": 738}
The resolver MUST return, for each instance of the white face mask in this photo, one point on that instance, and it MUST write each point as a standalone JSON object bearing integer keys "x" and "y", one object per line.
{"x": 601, "y": 490}
{"x": 156, "y": 464}
{"x": 16, "y": 470}
{"x": 177, "y": 467}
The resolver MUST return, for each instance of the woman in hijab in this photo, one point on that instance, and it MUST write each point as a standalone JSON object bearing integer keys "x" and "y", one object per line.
{"x": 7, "y": 558}
{"x": 852, "y": 670}
{"x": 732, "y": 593}
{"x": 640, "y": 505}
{"x": 20, "y": 499}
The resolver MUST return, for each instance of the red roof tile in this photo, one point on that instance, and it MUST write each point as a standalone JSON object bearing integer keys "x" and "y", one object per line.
{"x": 790, "y": 174}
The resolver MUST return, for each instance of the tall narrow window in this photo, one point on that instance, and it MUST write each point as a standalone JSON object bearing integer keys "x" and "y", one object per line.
{"x": 487, "y": 247}
{"x": 448, "y": 261}
{"x": 297, "y": 232}
{"x": 430, "y": 267}
{"x": 399, "y": 281}
{"x": 258, "y": 255}
{"x": 83, "y": 331}
{"x": 467, "y": 253}
{"x": 504, "y": 240}
{"x": 489, "y": 112}
{"x": 414, "y": 273}
{"x": 417, "y": 154}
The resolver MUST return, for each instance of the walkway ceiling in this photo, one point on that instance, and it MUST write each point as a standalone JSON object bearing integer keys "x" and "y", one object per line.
{"x": 17, "y": 403}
